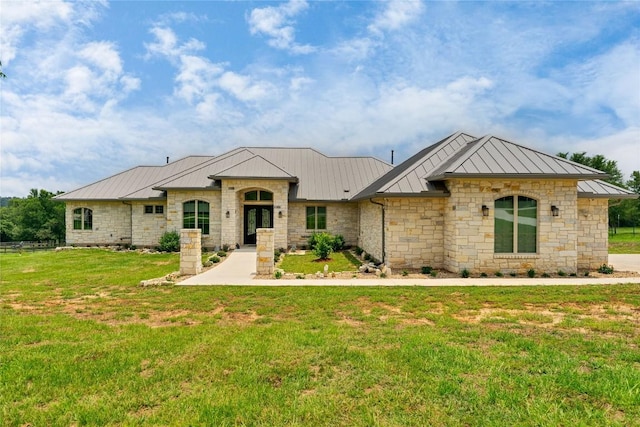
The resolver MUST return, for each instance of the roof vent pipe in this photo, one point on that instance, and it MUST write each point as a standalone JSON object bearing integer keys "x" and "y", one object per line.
{"x": 167, "y": 159}
{"x": 391, "y": 156}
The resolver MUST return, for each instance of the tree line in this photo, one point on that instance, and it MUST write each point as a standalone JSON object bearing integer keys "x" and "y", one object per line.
{"x": 37, "y": 217}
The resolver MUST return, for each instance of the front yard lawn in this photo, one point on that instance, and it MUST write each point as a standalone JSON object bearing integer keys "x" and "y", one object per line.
{"x": 309, "y": 264}
{"x": 83, "y": 344}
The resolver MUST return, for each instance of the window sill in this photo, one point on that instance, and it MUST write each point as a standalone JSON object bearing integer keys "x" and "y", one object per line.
{"x": 516, "y": 256}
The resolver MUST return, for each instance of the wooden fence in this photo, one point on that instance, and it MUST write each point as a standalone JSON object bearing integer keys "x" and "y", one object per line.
{"x": 27, "y": 246}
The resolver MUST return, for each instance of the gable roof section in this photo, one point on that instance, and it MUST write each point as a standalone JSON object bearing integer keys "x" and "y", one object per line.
{"x": 495, "y": 157}
{"x": 254, "y": 167}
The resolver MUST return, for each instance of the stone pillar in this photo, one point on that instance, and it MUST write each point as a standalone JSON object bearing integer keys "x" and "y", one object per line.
{"x": 190, "y": 251}
{"x": 264, "y": 251}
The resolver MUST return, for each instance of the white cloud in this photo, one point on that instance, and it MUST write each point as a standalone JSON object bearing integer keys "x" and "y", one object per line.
{"x": 277, "y": 24}
{"x": 395, "y": 15}
{"x": 243, "y": 88}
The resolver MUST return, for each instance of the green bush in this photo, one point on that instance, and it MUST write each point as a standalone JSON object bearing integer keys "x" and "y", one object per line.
{"x": 483, "y": 274}
{"x": 277, "y": 274}
{"x": 338, "y": 242}
{"x": 561, "y": 273}
{"x": 427, "y": 269}
{"x": 221, "y": 254}
{"x": 214, "y": 259}
{"x": 605, "y": 269}
{"x": 322, "y": 245}
{"x": 499, "y": 274}
{"x": 531, "y": 273}
{"x": 169, "y": 242}
{"x": 358, "y": 250}
{"x": 434, "y": 273}
{"x": 465, "y": 273}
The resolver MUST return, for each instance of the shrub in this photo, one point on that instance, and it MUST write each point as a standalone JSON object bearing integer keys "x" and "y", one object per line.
{"x": 277, "y": 274}
{"x": 214, "y": 259}
{"x": 465, "y": 273}
{"x": 546, "y": 275}
{"x": 338, "y": 242}
{"x": 605, "y": 269}
{"x": 483, "y": 274}
{"x": 531, "y": 273}
{"x": 169, "y": 242}
{"x": 225, "y": 247}
{"x": 368, "y": 257}
{"x": 405, "y": 273}
{"x": 276, "y": 255}
{"x": 321, "y": 244}
{"x": 358, "y": 250}
{"x": 586, "y": 274}
{"x": 383, "y": 275}
{"x": 513, "y": 274}
{"x": 499, "y": 274}
{"x": 561, "y": 273}
{"x": 221, "y": 254}
{"x": 426, "y": 270}
{"x": 434, "y": 273}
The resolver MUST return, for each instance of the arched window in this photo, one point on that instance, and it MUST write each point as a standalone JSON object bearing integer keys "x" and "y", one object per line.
{"x": 516, "y": 225}
{"x": 82, "y": 219}
{"x": 195, "y": 214}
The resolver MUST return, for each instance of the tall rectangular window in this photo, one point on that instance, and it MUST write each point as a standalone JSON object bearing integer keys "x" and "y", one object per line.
{"x": 316, "y": 218}
{"x": 516, "y": 225}
{"x": 82, "y": 219}
{"x": 195, "y": 214}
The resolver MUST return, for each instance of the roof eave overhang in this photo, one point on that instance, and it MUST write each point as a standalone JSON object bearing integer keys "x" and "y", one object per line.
{"x": 422, "y": 194}
{"x": 579, "y": 177}
{"x": 187, "y": 188}
{"x": 584, "y": 195}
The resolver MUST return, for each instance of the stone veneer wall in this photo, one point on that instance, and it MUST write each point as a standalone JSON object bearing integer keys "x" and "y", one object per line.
{"x": 190, "y": 251}
{"x": 233, "y": 201}
{"x": 173, "y": 212}
{"x": 265, "y": 251}
{"x": 111, "y": 223}
{"x": 147, "y": 229}
{"x": 593, "y": 233}
{"x": 342, "y": 218}
{"x": 469, "y": 237}
{"x": 415, "y": 232}
{"x": 370, "y": 230}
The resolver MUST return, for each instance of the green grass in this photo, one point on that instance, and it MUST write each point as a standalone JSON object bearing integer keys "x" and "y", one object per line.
{"x": 82, "y": 344}
{"x": 308, "y": 263}
{"x": 625, "y": 241}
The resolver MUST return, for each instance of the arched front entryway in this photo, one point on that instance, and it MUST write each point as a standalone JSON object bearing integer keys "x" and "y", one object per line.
{"x": 258, "y": 213}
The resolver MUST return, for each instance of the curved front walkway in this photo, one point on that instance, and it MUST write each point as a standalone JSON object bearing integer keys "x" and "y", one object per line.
{"x": 240, "y": 269}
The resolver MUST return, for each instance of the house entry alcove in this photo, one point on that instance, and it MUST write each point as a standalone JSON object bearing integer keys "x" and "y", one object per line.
{"x": 258, "y": 213}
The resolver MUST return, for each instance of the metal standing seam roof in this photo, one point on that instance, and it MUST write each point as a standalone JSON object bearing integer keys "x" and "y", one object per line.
{"x": 131, "y": 181}
{"x": 314, "y": 176}
{"x": 600, "y": 189}
{"x": 408, "y": 177}
{"x": 495, "y": 157}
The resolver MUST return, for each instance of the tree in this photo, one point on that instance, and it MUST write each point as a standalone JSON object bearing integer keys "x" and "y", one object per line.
{"x": 36, "y": 217}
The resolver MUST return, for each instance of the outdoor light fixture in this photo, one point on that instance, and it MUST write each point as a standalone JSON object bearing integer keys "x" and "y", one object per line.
{"x": 485, "y": 210}
{"x": 280, "y": 214}
{"x": 227, "y": 214}
{"x": 555, "y": 211}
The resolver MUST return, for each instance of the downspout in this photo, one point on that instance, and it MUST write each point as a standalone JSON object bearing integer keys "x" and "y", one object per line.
{"x": 130, "y": 219}
{"x": 384, "y": 254}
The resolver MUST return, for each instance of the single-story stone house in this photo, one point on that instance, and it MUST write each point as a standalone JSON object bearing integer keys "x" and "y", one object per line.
{"x": 482, "y": 204}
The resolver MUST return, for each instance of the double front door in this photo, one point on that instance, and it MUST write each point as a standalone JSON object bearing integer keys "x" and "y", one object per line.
{"x": 256, "y": 217}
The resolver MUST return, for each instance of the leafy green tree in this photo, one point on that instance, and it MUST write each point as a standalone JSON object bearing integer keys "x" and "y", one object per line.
{"x": 36, "y": 217}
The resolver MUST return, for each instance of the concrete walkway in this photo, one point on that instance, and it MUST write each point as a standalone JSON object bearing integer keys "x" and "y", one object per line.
{"x": 240, "y": 269}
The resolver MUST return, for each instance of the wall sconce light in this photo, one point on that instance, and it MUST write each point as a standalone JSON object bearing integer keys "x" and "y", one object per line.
{"x": 280, "y": 214}
{"x": 485, "y": 210}
{"x": 555, "y": 211}
{"x": 227, "y": 214}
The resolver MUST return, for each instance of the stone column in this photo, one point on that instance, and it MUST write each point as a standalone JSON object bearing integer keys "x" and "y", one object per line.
{"x": 190, "y": 251}
{"x": 264, "y": 251}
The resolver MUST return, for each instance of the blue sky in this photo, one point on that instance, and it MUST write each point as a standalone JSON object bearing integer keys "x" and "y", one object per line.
{"x": 95, "y": 88}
